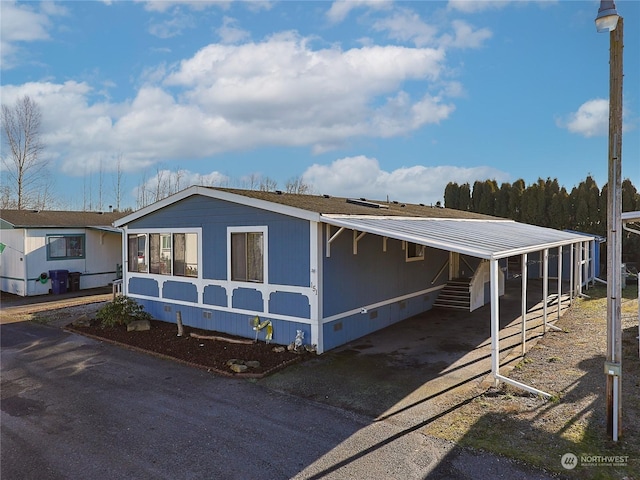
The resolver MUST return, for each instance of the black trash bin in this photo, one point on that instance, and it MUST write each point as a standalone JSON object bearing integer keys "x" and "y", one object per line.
{"x": 74, "y": 281}
{"x": 59, "y": 280}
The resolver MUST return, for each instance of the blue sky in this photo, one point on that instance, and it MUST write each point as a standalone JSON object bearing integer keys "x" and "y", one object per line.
{"x": 357, "y": 98}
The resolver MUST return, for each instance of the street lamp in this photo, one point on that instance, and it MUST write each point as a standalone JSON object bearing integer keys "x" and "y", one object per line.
{"x": 608, "y": 20}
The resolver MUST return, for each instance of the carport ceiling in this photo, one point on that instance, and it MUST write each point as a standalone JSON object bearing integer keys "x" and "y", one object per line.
{"x": 488, "y": 239}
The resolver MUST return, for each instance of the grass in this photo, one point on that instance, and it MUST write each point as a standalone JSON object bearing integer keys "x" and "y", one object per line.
{"x": 540, "y": 431}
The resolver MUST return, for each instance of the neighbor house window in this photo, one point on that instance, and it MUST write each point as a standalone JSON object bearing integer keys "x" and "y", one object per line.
{"x": 185, "y": 254}
{"x": 61, "y": 247}
{"x": 137, "y": 251}
{"x": 247, "y": 256}
{"x": 414, "y": 252}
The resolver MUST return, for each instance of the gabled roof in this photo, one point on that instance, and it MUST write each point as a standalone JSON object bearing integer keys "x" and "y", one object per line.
{"x": 57, "y": 218}
{"x": 309, "y": 207}
{"x": 467, "y": 233}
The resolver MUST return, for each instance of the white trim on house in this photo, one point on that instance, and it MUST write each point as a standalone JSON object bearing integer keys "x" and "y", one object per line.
{"x": 486, "y": 239}
{"x": 373, "y": 306}
{"x": 220, "y": 195}
{"x": 265, "y": 252}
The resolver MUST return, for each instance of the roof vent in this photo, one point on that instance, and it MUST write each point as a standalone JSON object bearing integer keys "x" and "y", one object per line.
{"x": 365, "y": 203}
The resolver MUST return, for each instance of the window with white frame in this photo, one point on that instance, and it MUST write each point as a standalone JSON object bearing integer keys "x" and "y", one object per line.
{"x": 137, "y": 252}
{"x": 247, "y": 256}
{"x": 160, "y": 253}
{"x": 414, "y": 252}
{"x": 62, "y": 247}
{"x": 163, "y": 253}
{"x": 185, "y": 254}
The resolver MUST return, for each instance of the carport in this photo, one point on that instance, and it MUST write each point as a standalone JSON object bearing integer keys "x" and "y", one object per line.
{"x": 491, "y": 240}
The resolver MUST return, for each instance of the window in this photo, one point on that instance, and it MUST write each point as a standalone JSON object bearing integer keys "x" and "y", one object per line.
{"x": 414, "y": 252}
{"x": 160, "y": 253}
{"x": 247, "y": 256}
{"x": 137, "y": 252}
{"x": 185, "y": 254}
{"x": 163, "y": 253}
{"x": 60, "y": 247}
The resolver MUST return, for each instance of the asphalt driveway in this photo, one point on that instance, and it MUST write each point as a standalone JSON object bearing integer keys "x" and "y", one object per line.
{"x": 73, "y": 408}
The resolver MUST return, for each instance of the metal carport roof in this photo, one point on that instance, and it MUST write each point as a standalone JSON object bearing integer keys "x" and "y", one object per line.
{"x": 487, "y": 239}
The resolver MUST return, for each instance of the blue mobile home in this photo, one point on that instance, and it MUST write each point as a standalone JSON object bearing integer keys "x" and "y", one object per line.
{"x": 334, "y": 268}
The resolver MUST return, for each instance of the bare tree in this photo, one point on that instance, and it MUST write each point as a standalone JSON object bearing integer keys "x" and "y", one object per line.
{"x": 296, "y": 185}
{"x": 268, "y": 185}
{"x": 118, "y": 182}
{"x": 23, "y": 164}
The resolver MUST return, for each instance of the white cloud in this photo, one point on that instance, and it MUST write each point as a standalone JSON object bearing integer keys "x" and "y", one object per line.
{"x": 340, "y": 9}
{"x": 230, "y": 33}
{"x": 474, "y": 6}
{"x": 21, "y": 24}
{"x": 173, "y": 26}
{"x": 225, "y": 98}
{"x": 591, "y": 119}
{"x": 406, "y": 25}
{"x": 198, "y": 5}
{"x": 362, "y": 176}
{"x": 465, "y": 36}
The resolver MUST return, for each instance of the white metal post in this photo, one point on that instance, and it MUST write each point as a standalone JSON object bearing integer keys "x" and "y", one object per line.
{"x": 495, "y": 320}
{"x": 545, "y": 285}
{"x": 525, "y": 274}
{"x": 559, "y": 280}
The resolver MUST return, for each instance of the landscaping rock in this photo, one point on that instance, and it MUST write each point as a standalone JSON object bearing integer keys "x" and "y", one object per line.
{"x": 82, "y": 321}
{"x": 238, "y": 368}
{"x": 139, "y": 326}
{"x": 252, "y": 363}
{"x": 279, "y": 349}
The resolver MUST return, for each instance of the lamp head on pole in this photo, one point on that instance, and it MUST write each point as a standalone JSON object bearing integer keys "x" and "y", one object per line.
{"x": 607, "y": 19}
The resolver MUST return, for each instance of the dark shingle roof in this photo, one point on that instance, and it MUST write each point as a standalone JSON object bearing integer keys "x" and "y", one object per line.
{"x": 329, "y": 205}
{"x": 54, "y": 218}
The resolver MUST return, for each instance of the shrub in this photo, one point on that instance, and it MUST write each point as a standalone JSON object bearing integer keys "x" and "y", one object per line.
{"x": 122, "y": 311}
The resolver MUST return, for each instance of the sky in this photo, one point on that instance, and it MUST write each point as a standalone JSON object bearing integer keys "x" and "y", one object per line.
{"x": 355, "y": 98}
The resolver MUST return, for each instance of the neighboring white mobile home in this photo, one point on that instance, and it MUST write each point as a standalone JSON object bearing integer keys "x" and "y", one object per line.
{"x": 39, "y": 244}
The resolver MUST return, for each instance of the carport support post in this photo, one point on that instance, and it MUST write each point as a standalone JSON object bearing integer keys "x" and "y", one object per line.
{"x": 545, "y": 285}
{"x": 495, "y": 320}
{"x": 571, "y": 270}
{"x": 524, "y": 303}
{"x": 559, "y": 280}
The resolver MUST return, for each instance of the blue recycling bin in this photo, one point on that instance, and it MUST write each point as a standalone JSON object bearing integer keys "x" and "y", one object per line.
{"x": 59, "y": 279}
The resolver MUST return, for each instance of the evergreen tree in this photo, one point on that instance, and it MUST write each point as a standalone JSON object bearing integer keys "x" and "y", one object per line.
{"x": 464, "y": 197}
{"x": 452, "y": 196}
